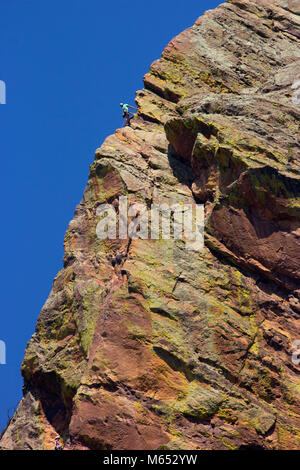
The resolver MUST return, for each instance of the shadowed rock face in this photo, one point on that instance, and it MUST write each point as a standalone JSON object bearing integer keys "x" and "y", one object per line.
{"x": 165, "y": 347}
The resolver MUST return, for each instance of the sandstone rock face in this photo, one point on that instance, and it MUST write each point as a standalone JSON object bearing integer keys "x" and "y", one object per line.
{"x": 172, "y": 348}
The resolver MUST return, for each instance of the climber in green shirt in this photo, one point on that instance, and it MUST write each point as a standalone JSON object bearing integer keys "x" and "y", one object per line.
{"x": 126, "y": 113}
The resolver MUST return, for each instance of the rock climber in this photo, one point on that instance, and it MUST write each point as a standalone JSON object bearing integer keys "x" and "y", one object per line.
{"x": 126, "y": 114}
{"x": 118, "y": 258}
{"x": 116, "y": 262}
{"x": 57, "y": 444}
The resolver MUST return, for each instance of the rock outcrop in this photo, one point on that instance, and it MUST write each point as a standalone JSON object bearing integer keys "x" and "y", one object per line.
{"x": 168, "y": 348}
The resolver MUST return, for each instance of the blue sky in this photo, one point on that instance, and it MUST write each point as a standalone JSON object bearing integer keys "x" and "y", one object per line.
{"x": 67, "y": 65}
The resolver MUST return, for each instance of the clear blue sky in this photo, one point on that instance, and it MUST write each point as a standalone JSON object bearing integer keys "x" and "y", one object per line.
{"x": 67, "y": 64}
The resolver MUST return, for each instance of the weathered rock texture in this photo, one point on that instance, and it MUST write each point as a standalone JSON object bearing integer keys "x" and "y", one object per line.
{"x": 178, "y": 349}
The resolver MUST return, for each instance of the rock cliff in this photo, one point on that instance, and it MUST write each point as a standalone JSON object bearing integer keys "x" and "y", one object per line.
{"x": 165, "y": 347}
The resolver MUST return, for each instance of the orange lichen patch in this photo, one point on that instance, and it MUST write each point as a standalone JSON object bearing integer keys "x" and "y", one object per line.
{"x": 172, "y": 348}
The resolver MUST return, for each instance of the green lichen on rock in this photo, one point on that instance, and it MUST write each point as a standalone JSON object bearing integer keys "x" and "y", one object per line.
{"x": 173, "y": 348}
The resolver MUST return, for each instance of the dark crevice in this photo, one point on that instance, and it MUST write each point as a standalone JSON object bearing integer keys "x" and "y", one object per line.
{"x": 195, "y": 420}
{"x": 183, "y": 172}
{"x": 166, "y": 93}
{"x": 225, "y": 372}
{"x": 162, "y": 312}
{"x": 55, "y": 397}
{"x": 148, "y": 118}
{"x": 174, "y": 362}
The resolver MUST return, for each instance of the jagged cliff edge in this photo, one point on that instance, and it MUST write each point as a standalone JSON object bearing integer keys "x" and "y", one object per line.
{"x": 182, "y": 349}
